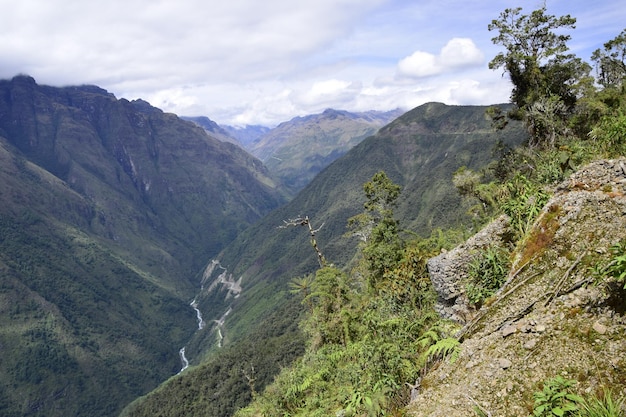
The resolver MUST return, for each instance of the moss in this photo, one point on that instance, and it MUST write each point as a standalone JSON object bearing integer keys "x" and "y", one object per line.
{"x": 542, "y": 235}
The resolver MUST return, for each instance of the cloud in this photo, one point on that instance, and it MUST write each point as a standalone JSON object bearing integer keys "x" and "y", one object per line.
{"x": 457, "y": 53}
{"x": 245, "y": 61}
{"x": 331, "y": 92}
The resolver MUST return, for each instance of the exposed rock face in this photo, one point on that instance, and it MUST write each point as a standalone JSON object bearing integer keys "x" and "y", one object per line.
{"x": 555, "y": 316}
{"x": 448, "y": 271}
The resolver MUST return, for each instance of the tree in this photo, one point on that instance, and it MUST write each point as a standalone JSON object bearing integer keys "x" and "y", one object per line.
{"x": 546, "y": 79}
{"x": 610, "y": 62}
{"x": 378, "y": 228}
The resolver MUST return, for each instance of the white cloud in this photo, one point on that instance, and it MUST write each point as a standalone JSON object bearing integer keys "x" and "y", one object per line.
{"x": 461, "y": 52}
{"x": 419, "y": 64}
{"x": 246, "y": 61}
{"x": 457, "y": 53}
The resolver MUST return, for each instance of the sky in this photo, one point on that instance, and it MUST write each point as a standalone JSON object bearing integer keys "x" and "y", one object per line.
{"x": 243, "y": 62}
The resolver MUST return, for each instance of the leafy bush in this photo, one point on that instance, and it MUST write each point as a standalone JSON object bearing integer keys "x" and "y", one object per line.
{"x": 524, "y": 202}
{"x": 486, "y": 274}
{"x": 556, "y": 399}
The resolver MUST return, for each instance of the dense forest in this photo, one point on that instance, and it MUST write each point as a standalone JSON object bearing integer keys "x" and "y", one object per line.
{"x": 371, "y": 331}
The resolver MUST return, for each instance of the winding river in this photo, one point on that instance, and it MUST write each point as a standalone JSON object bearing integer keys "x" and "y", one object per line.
{"x": 183, "y": 359}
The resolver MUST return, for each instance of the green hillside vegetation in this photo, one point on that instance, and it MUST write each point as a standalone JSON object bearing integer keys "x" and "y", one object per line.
{"x": 109, "y": 210}
{"x": 413, "y": 155}
{"x": 374, "y": 341}
{"x": 420, "y": 151}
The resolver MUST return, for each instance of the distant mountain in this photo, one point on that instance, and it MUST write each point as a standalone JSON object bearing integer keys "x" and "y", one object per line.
{"x": 109, "y": 211}
{"x": 243, "y": 136}
{"x": 212, "y": 128}
{"x": 248, "y": 134}
{"x": 249, "y": 282}
{"x": 297, "y": 150}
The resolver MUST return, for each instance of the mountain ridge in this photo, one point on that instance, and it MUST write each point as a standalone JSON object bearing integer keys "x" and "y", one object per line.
{"x": 110, "y": 209}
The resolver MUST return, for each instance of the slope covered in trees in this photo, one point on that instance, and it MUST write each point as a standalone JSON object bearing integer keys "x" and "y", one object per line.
{"x": 422, "y": 150}
{"x": 109, "y": 209}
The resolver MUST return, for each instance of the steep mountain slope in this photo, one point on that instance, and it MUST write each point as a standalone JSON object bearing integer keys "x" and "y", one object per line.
{"x": 420, "y": 151}
{"x": 559, "y": 314}
{"x": 297, "y": 150}
{"x": 109, "y": 210}
{"x": 213, "y": 129}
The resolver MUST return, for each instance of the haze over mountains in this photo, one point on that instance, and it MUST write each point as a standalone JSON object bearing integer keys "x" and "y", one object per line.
{"x": 297, "y": 150}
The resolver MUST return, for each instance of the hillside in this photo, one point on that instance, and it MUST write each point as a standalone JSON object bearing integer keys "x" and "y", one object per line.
{"x": 297, "y": 150}
{"x": 109, "y": 210}
{"x": 556, "y": 315}
{"x": 420, "y": 151}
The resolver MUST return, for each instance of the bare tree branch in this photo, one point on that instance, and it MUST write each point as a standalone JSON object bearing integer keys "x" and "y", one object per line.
{"x": 304, "y": 221}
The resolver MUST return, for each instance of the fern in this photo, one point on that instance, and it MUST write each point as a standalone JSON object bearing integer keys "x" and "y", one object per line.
{"x": 447, "y": 347}
{"x": 429, "y": 338}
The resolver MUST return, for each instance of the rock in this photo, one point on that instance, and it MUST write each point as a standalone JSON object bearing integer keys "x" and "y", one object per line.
{"x": 449, "y": 269}
{"x": 530, "y": 344}
{"x": 504, "y": 363}
{"x": 599, "y": 327}
{"x": 508, "y": 330}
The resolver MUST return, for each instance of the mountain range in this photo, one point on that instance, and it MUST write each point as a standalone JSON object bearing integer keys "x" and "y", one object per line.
{"x": 110, "y": 209}
{"x": 420, "y": 151}
{"x": 297, "y": 150}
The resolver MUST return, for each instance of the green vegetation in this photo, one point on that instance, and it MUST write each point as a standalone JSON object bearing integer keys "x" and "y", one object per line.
{"x": 604, "y": 406}
{"x": 231, "y": 379}
{"x": 556, "y": 399}
{"x": 371, "y": 331}
{"x": 108, "y": 211}
{"x": 552, "y": 93}
{"x": 297, "y": 150}
{"x": 486, "y": 273}
{"x": 370, "y": 325}
{"x": 98, "y": 248}
{"x": 617, "y": 266}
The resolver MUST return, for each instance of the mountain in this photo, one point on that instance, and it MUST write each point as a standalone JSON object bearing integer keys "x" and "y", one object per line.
{"x": 247, "y": 285}
{"x": 297, "y": 150}
{"x": 110, "y": 210}
{"x": 243, "y": 136}
{"x": 246, "y": 135}
{"x": 420, "y": 151}
{"x": 212, "y": 128}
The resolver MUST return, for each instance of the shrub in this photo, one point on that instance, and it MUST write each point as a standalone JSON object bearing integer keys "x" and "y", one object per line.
{"x": 486, "y": 274}
{"x": 617, "y": 267}
{"x": 556, "y": 399}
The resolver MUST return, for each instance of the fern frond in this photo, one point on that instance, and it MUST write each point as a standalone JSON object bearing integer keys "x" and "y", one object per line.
{"x": 445, "y": 347}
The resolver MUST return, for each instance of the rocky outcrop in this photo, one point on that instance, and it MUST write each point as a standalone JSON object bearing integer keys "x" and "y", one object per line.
{"x": 558, "y": 313}
{"x": 448, "y": 271}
